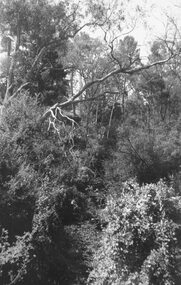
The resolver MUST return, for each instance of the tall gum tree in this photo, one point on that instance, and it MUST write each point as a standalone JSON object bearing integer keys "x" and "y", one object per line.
{"x": 34, "y": 27}
{"x": 29, "y": 29}
{"x": 105, "y": 17}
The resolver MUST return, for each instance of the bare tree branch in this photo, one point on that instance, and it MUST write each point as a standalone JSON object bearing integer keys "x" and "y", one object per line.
{"x": 56, "y": 109}
{"x": 119, "y": 70}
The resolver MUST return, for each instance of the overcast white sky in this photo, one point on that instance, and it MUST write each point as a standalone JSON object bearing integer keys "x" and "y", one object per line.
{"x": 152, "y": 21}
{"x": 155, "y": 20}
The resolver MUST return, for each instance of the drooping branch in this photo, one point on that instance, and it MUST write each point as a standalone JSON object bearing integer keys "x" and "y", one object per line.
{"x": 119, "y": 70}
{"x": 53, "y": 110}
{"x": 58, "y": 107}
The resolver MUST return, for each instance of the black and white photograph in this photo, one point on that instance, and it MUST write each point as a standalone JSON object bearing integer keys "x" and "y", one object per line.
{"x": 90, "y": 142}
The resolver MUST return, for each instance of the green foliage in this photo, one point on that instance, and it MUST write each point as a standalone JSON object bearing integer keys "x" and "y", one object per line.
{"x": 139, "y": 242}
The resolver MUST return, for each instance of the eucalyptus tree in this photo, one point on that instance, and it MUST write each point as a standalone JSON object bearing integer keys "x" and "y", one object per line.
{"x": 32, "y": 33}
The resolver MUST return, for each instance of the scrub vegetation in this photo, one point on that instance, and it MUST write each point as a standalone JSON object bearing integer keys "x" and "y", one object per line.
{"x": 90, "y": 149}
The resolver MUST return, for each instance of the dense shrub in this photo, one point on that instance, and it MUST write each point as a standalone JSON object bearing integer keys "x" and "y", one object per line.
{"x": 149, "y": 152}
{"x": 16, "y": 259}
{"x": 49, "y": 195}
{"x": 139, "y": 242}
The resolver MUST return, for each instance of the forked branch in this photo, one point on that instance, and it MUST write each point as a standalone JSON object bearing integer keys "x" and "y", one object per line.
{"x": 119, "y": 70}
{"x": 56, "y": 110}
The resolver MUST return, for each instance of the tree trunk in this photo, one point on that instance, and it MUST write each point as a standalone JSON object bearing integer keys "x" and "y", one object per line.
{"x": 10, "y": 77}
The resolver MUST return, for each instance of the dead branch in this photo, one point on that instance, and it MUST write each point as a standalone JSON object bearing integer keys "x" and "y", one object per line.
{"x": 119, "y": 70}
{"x": 55, "y": 112}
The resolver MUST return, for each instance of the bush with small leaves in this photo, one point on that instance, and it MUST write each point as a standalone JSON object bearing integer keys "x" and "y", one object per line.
{"x": 139, "y": 242}
{"x": 15, "y": 259}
